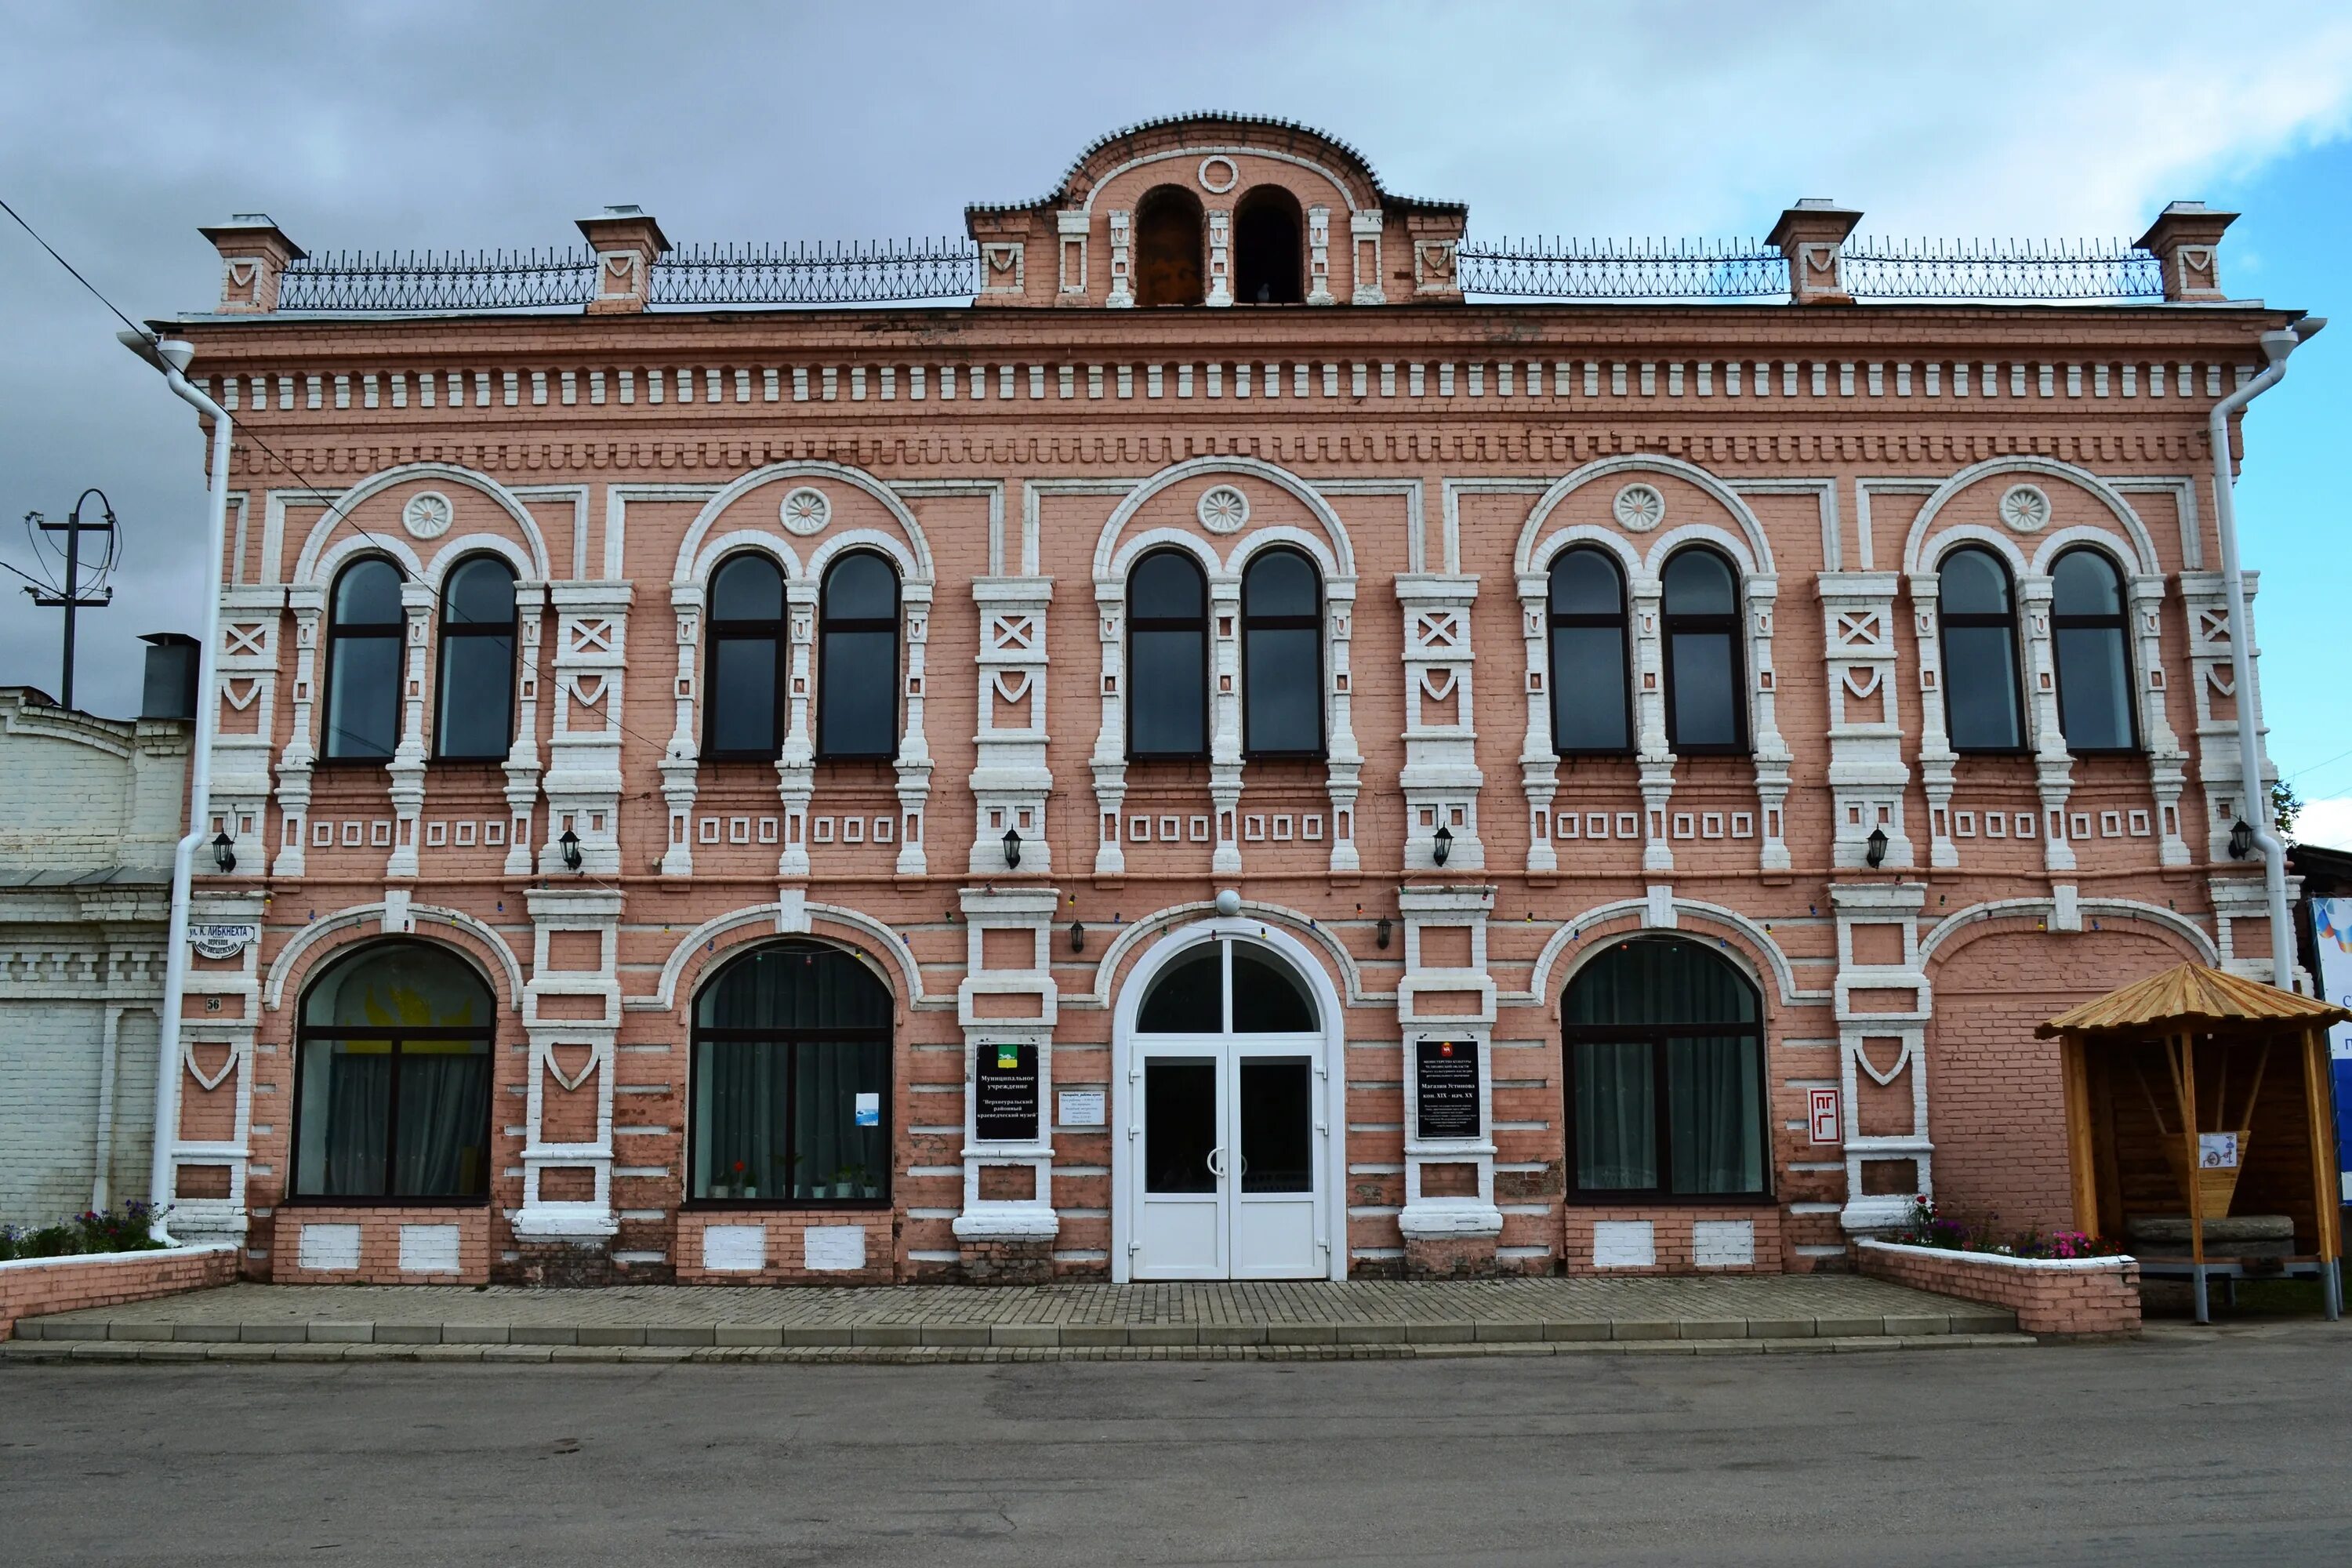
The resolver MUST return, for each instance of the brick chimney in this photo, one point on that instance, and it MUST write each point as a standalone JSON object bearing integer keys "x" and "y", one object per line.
{"x": 254, "y": 252}
{"x": 626, "y": 240}
{"x": 2187, "y": 238}
{"x": 1809, "y": 234}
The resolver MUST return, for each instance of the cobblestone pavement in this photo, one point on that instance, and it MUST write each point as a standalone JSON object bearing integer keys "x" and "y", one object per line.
{"x": 919, "y": 1323}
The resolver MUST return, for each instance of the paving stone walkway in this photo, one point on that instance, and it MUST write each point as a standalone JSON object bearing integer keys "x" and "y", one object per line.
{"x": 1746, "y": 1313}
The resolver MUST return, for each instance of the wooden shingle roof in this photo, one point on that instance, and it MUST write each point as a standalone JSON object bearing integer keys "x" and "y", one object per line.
{"x": 2197, "y": 998}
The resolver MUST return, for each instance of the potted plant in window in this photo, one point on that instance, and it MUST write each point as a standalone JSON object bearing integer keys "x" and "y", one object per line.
{"x": 748, "y": 1189}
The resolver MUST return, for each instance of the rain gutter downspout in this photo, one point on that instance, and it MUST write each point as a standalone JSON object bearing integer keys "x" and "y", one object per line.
{"x": 172, "y": 358}
{"x": 2254, "y": 807}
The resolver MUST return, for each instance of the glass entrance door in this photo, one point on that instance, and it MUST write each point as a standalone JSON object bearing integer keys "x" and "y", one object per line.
{"x": 1226, "y": 1126}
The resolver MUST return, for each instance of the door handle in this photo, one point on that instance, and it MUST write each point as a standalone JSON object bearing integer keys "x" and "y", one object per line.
{"x": 1217, "y": 1161}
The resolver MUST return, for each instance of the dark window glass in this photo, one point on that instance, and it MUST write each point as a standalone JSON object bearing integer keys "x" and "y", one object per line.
{"x": 792, "y": 1079}
{"x": 1189, "y": 998}
{"x": 1167, "y": 248}
{"x": 1269, "y": 252}
{"x": 1655, "y": 1012}
{"x": 393, "y": 1078}
{"x": 1281, "y": 656}
{"x": 477, "y": 670}
{"x": 1981, "y": 712}
{"x": 743, "y": 689}
{"x": 1277, "y": 1106}
{"x": 365, "y": 637}
{"x": 1179, "y": 1125}
{"x": 1591, "y": 700}
{"x": 1268, "y": 997}
{"x": 858, "y": 663}
{"x": 1706, "y": 711}
{"x": 2087, "y": 629}
{"x": 1167, "y": 657}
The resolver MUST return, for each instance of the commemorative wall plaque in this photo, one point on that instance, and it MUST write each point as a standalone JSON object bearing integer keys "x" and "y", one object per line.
{"x": 1005, "y": 1099}
{"x": 1446, "y": 1080}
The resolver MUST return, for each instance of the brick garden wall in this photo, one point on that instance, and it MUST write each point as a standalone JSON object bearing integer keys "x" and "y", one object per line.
{"x": 32, "y": 1286}
{"x": 2050, "y": 1296}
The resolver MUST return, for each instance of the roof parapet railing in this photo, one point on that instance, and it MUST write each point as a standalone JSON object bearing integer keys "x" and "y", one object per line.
{"x": 835, "y": 273}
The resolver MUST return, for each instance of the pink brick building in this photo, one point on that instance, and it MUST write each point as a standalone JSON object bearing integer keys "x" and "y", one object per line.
{"x": 1208, "y": 754}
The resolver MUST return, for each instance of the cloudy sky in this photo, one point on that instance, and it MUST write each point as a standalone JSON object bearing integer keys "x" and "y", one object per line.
{"x": 122, "y": 127}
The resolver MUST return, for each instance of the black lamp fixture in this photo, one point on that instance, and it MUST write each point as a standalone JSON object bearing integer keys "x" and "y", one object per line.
{"x": 1011, "y": 849}
{"x": 2242, "y": 839}
{"x": 1877, "y": 852}
{"x": 1442, "y": 846}
{"x": 224, "y": 852}
{"x": 1381, "y": 930}
{"x": 570, "y": 845}
{"x": 1077, "y": 936}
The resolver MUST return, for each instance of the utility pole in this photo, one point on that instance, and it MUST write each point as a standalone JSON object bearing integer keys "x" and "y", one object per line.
{"x": 70, "y": 594}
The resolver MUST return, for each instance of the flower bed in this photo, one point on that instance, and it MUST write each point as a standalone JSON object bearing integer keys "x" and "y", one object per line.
{"x": 32, "y": 1286}
{"x": 2070, "y": 1297}
{"x": 93, "y": 1230}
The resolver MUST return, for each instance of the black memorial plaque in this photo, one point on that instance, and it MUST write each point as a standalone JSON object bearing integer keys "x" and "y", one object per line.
{"x": 1006, "y": 1103}
{"x": 1445, "y": 1076}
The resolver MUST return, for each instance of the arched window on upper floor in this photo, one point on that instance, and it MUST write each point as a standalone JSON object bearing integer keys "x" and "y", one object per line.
{"x": 1281, "y": 656}
{"x": 2088, "y": 632}
{"x": 1705, "y": 684}
{"x": 1982, "y": 710}
{"x": 366, "y": 633}
{"x": 858, "y": 659}
{"x": 477, "y": 671}
{"x": 743, "y": 690}
{"x": 1592, "y": 697}
{"x": 1167, "y": 657}
{"x": 1169, "y": 247}
{"x": 1269, "y": 249}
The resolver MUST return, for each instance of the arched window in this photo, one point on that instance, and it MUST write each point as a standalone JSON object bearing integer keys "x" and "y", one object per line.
{"x": 1281, "y": 656}
{"x": 1167, "y": 248}
{"x": 1591, "y": 698}
{"x": 743, "y": 692}
{"x": 2086, "y": 624}
{"x": 365, "y": 635}
{"x": 1167, "y": 657}
{"x": 1269, "y": 249}
{"x": 392, "y": 1082}
{"x": 1981, "y": 709}
{"x": 858, "y": 659}
{"x": 1665, "y": 1046}
{"x": 791, "y": 1080}
{"x": 1706, "y": 711}
{"x": 477, "y": 673}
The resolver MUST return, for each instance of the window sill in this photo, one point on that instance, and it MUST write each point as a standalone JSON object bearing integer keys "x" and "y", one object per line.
{"x": 325, "y": 1201}
{"x": 784, "y": 1206}
{"x": 1646, "y": 1200}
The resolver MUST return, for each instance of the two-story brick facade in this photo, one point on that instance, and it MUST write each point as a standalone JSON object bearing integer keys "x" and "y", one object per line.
{"x": 1218, "y": 757}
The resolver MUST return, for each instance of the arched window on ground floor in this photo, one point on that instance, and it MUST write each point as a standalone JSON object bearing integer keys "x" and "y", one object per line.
{"x": 1664, "y": 1041}
{"x": 790, "y": 1086}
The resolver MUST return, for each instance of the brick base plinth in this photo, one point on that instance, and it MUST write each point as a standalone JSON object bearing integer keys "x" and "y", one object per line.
{"x": 562, "y": 1265}
{"x": 1449, "y": 1258}
{"x": 1023, "y": 1260}
{"x": 2095, "y": 1298}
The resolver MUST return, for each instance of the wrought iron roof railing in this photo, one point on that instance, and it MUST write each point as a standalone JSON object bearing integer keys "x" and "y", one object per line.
{"x": 843, "y": 273}
{"x": 1621, "y": 270}
{"x": 1998, "y": 269}
{"x": 864, "y": 272}
{"x": 359, "y": 281}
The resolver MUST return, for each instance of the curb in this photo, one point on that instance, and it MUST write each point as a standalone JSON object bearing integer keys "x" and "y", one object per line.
{"x": 183, "y": 1353}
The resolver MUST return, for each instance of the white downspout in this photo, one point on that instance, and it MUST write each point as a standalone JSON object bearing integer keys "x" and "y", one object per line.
{"x": 172, "y": 359}
{"x": 2254, "y": 806}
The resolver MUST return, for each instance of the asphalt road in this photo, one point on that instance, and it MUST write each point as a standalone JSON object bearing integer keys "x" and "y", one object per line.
{"x": 2167, "y": 1451}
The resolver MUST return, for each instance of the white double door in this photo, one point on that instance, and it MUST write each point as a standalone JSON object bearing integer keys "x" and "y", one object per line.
{"x": 1229, "y": 1136}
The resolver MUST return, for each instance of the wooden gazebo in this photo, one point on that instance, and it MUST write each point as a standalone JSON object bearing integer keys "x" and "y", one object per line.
{"x": 2172, "y": 1099}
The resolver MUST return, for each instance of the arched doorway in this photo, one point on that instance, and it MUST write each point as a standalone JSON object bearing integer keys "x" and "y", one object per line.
{"x": 1664, "y": 1041}
{"x": 1167, "y": 248}
{"x": 1269, "y": 249}
{"x": 1227, "y": 1171}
